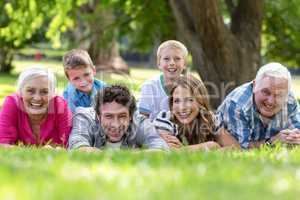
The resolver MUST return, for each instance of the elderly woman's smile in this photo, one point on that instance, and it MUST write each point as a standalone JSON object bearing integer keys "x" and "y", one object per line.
{"x": 35, "y": 94}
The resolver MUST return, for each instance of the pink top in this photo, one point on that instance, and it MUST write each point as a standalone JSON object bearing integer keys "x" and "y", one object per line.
{"x": 15, "y": 126}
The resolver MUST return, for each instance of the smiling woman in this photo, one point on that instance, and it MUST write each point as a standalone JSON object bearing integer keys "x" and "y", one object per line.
{"x": 191, "y": 122}
{"x": 34, "y": 115}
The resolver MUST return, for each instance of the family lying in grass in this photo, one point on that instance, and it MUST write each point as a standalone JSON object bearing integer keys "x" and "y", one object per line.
{"x": 172, "y": 113}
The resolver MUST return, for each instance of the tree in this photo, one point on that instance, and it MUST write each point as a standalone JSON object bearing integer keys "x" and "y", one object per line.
{"x": 95, "y": 32}
{"x": 225, "y": 55}
{"x": 20, "y": 20}
{"x": 281, "y": 40}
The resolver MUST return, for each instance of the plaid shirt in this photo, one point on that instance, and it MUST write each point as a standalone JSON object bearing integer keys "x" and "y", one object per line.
{"x": 87, "y": 132}
{"x": 238, "y": 115}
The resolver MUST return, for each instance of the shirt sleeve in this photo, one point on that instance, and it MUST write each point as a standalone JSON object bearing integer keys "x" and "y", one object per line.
{"x": 9, "y": 121}
{"x": 145, "y": 103}
{"x": 294, "y": 114}
{"x": 64, "y": 116}
{"x": 69, "y": 97}
{"x": 231, "y": 117}
{"x": 81, "y": 135}
{"x": 147, "y": 135}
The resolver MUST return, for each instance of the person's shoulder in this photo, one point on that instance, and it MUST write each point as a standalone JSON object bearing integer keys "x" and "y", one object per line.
{"x": 241, "y": 94}
{"x": 69, "y": 90}
{"x": 153, "y": 80}
{"x": 292, "y": 101}
{"x": 86, "y": 111}
{"x": 239, "y": 100}
{"x": 138, "y": 118}
{"x": 12, "y": 99}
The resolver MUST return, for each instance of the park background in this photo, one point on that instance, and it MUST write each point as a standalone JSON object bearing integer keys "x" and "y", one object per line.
{"x": 228, "y": 41}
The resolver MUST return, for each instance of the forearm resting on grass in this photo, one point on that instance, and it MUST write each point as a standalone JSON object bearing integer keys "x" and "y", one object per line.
{"x": 226, "y": 140}
{"x": 174, "y": 143}
{"x": 287, "y": 136}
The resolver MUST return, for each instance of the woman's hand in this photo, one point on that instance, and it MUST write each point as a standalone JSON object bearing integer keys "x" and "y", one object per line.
{"x": 171, "y": 140}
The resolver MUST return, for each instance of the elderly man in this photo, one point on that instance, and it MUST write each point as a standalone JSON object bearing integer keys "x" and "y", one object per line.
{"x": 113, "y": 123}
{"x": 262, "y": 111}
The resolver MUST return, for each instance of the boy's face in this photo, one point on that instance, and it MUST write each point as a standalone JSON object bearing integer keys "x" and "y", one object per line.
{"x": 114, "y": 119}
{"x": 171, "y": 63}
{"x": 82, "y": 78}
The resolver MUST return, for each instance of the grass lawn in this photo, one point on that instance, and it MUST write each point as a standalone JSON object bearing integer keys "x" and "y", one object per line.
{"x": 45, "y": 174}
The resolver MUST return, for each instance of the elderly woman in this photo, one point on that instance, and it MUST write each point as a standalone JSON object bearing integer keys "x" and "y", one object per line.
{"x": 34, "y": 115}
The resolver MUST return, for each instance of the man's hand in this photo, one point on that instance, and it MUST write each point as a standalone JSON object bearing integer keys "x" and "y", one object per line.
{"x": 171, "y": 140}
{"x": 287, "y": 136}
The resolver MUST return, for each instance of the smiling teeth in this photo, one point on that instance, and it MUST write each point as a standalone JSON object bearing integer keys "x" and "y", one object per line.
{"x": 36, "y": 104}
{"x": 184, "y": 114}
{"x": 172, "y": 70}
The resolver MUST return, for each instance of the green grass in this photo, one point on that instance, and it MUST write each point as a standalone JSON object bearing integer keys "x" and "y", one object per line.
{"x": 45, "y": 174}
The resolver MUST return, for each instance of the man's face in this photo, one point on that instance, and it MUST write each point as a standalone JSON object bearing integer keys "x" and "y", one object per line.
{"x": 114, "y": 119}
{"x": 270, "y": 94}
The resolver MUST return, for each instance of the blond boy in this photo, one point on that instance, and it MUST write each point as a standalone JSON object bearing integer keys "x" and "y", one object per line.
{"x": 82, "y": 86}
{"x": 171, "y": 60}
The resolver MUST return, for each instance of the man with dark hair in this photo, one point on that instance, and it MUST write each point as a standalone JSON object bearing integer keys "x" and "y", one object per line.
{"x": 113, "y": 123}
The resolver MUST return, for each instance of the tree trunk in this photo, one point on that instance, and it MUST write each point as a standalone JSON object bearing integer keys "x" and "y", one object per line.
{"x": 100, "y": 40}
{"x": 225, "y": 56}
{"x": 6, "y": 57}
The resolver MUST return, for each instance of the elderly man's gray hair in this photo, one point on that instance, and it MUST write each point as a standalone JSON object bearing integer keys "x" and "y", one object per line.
{"x": 32, "y": 73}
{"x": 276, "y": 70}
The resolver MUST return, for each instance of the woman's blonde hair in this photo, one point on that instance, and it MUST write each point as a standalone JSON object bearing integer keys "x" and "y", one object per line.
{"x": 201, "y": 128}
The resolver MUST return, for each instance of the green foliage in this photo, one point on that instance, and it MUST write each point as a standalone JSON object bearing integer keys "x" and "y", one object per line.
{"x": 23, "y": 18}
{"x": 29, "y": 173}
{"x": 144, "y": 22}
{"x": 281, "y": 39}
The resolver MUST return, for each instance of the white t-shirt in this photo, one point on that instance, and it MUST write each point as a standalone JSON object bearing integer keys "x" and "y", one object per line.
{"x": 154, "y": 97}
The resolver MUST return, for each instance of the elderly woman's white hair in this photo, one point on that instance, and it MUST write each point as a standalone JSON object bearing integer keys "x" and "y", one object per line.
{"x": 273, "y": 69}
{"x": 32, "y": 73}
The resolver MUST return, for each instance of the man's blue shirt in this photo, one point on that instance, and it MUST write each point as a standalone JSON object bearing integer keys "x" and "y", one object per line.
{"x": 238, "y": 114}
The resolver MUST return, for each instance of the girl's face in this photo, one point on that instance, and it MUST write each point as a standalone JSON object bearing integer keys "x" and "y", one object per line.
{"x": 35, "y": 94}
{"x": 185, "y": 106}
